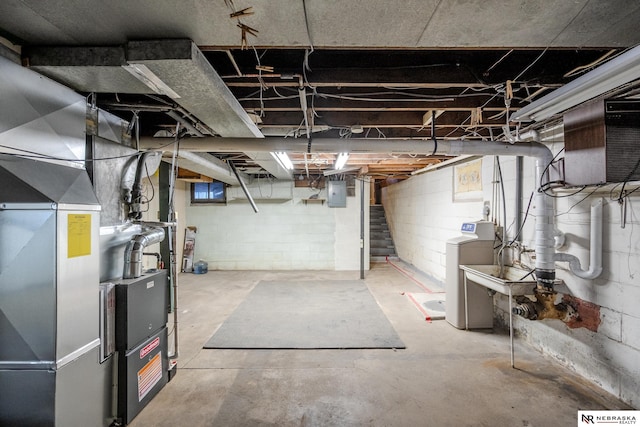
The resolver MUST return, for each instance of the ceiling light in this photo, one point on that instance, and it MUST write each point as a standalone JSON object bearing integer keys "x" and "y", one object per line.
{"x": 153, "y": 82}
{"x": 357, "y": 129}
{"x": 620, "y": 70}
{"x": 341, "y": 160}
{"x": 283, "y": 160}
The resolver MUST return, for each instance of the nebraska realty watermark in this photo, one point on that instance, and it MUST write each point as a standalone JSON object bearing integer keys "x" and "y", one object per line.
{"x": 621, "y": 418}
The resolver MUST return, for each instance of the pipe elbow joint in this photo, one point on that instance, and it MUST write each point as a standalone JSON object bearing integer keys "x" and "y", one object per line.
{"x": 592, "y": 273}
{"x": 574, "y": 265}
{"x": 135, "y": 247}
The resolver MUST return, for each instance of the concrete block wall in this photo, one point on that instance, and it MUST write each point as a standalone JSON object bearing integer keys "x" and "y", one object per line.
{"x": 284, "y": 235}
{"x": 422, "y": 217}
{"x": 610, "y": 357}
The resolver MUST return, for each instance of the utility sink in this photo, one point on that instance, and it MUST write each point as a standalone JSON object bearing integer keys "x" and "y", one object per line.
{"x": 516, "y": 281}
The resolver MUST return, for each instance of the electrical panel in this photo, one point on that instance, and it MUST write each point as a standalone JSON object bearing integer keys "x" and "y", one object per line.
{"x": 601, "y": 142}
{"x": 337, "y": 194}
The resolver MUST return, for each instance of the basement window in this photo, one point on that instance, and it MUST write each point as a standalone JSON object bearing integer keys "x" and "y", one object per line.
{"x": 208, "y": 192}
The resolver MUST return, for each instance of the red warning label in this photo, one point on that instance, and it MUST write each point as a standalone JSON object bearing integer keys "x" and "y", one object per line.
{"x": 149, "y": 347}
{"x": 149, "y": 376}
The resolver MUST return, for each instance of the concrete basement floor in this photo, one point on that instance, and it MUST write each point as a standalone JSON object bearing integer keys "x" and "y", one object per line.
{"x": 445, "y": 377}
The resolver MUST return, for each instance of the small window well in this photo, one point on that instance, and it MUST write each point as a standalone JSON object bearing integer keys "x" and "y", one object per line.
{"x": 208, "y": 192}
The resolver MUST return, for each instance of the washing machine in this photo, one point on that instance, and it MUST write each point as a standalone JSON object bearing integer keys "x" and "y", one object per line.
{"x": 473, "y": 246}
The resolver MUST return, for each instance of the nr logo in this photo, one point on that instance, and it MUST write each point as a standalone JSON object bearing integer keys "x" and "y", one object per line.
{"x": 587, "y": 419}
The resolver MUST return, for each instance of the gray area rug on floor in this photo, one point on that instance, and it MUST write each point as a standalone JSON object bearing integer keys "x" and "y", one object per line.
{"x": 307, "y": 314}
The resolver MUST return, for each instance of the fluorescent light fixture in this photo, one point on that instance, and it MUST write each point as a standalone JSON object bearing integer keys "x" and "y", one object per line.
{"x": 329, "y": 172}
{"x": 283, "y": 160}
{"x": 153, "y": 82}
{"x": 341, "y": 161}
{"x": 619, "y": 71}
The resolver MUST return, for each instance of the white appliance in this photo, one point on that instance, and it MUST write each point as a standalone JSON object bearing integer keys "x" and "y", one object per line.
{"x": 474, "y": 246}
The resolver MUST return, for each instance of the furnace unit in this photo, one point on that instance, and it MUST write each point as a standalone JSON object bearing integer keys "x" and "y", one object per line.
{"x": 50, "y": 370}
{"x": 141, "y": 341}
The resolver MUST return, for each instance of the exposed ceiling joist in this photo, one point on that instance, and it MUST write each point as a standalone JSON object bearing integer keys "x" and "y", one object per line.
{"x": 374, "y": 72}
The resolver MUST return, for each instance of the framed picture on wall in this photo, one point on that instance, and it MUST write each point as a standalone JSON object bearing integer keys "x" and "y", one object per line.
{"x": 467, "y": 182}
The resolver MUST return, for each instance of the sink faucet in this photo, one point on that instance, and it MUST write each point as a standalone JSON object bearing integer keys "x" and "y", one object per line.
{"x": 520, "y": 249}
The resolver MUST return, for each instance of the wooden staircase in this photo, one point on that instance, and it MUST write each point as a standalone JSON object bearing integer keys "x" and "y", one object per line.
{"x": 380, "y": 241}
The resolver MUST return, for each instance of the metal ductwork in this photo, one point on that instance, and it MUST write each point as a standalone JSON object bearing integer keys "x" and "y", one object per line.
{"x": 544, "y": 246}
{"x": 49, "y": 277}
{"x": 175, "y": 68}
{"x": 134, "y": 251}
{"x": 208, "y": 165}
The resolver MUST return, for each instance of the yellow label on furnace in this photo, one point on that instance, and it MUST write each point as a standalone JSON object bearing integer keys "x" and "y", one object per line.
{"x": 78, "y": 235}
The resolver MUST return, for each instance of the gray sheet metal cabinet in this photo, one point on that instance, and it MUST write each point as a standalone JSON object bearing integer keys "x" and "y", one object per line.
{"x": 49, "y": 294}
{"x": 141, "y": 341}
{"x": 337, "y": 194}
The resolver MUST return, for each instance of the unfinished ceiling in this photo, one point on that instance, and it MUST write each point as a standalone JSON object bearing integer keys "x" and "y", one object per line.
{"x": 329, "y": 68}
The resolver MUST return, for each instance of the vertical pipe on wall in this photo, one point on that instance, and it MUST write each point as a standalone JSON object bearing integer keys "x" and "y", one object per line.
{"x": 503, "y": 197}
{"x": 518, "y": 223}
{"x": 362, "y": 229}
{"x": 91, "y": 129}
{"x": 595, "y": 247}
{"x": 167, "y": 246}
{"x": 163, "y": 204}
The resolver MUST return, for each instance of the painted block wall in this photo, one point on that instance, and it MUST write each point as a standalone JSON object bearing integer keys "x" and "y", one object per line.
{"x": 284, "y": 235}
{"x": 422, "y": 216}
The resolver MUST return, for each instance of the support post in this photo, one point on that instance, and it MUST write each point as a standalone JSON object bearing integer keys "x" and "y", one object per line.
{"x": 519, "y": 180}
{"x": 362, "y": 229}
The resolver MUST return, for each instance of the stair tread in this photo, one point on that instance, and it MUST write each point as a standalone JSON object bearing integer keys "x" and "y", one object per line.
{"x": 381, "y": 244}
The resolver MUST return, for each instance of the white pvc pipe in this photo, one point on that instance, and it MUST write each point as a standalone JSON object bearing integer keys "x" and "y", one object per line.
{"x": 544, "y": 246}
{"x": 595, "y": 247}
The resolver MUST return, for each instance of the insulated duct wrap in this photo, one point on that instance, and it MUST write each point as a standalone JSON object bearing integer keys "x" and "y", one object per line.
{"x": 135, "y": 248}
